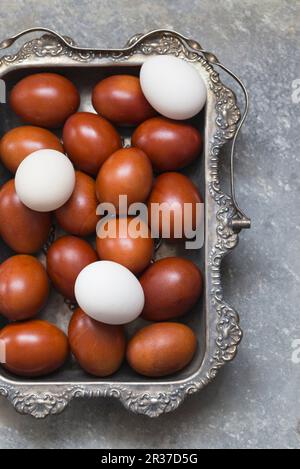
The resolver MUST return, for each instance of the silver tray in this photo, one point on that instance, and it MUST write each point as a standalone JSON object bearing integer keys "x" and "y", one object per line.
{"x": 214, "y": 320}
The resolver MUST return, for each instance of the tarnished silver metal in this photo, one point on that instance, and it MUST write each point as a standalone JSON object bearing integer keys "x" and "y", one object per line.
{"x": 215, "y": 321}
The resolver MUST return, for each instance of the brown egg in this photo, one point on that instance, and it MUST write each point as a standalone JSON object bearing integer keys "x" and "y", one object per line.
{"x": 44, "y": 99}
{"x": 22, "y": 141}
{"x": 122, "y": 247}
{"x": 34, "y": 348}
{"x": 174, "y": 190}
{"x": 23, "y": 230}
{"x": 89, "y": 140}
{"x": 24, "y": 287}
{"x": 182, "y": 287}
{"x": 66, "y": 258}
{"x": 170, "y": 145}
{"x": 99, "y": 348}
{"x": 126, "y": 172}
{"x": 78, "y": 215}
{"x": 120, "y": 99}
{"x": 161, "y": 349}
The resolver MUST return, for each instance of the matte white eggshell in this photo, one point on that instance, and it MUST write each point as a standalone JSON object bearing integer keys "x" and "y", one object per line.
{"x": 45, "y": 180}
{"x": 173, "y": 87}
{"x": 108, "y": 292}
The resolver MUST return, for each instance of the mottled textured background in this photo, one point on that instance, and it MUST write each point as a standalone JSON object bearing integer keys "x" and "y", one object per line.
{"x": 255, "y": 401}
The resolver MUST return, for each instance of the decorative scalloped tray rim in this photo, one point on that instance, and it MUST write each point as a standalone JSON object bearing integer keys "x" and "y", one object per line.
{"x": 39, "y": 400}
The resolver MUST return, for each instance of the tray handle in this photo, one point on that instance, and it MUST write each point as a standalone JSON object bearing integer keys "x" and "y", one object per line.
{"x": 6, "y": 43}
{"x": 240, "y": 220}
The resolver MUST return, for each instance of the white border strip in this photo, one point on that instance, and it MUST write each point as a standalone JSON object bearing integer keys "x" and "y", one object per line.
{"x": 2, "y": 351}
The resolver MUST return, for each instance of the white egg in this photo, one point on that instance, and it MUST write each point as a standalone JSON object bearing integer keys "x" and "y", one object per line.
{"x": 45, "y": 180}
{"x": 108, "y": 292}
{"x": 173, "y": 87}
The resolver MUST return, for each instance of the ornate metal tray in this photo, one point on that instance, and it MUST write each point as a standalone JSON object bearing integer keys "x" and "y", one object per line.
{"x": 216, "y": 322}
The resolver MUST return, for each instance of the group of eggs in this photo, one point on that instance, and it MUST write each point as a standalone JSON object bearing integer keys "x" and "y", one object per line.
{"x": 124, "y": 284}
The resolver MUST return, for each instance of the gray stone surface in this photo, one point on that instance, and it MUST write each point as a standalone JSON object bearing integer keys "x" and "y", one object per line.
{"x": 255, "y": 402}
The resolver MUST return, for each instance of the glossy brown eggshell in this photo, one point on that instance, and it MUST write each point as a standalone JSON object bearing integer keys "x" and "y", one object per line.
{"x": 24, "y": 287}
{"x": 89, "y": 140}
{"x": 24, "y": 230}
{"x": 120, "y": 99}
{"x": 174, "y": 190}
{"x": 34, "y": 348}
{"x": 44, "y": 99}
{"x": 99, "y": 348}
{"x": 78, "y": 216}
{"x": 20, "y": 142}
{"x": 66, "y": 258}
{"x": 133, "y": 253}
{"x": 126, "y": 172}
{"x": 161, "y": 349}
{"x": 170, "y": 145}
{"x": 172, "y": 286}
